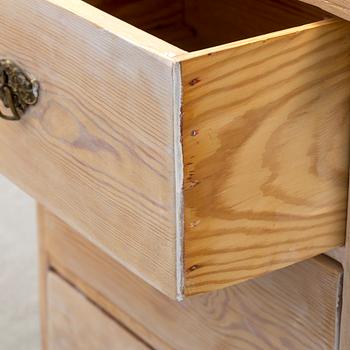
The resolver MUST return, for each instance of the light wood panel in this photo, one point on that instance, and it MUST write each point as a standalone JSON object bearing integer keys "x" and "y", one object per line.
{"x": 48, "y": 224}
{"x": 161, "y": 18}
{"x": 339, "y": 8}
{"x": 292, "y": 309}
{"x": 77, "y": 324}
{"x": 266, "y": 147}
{"x": 98, "y": 147}
{"x": 102, "y": 148}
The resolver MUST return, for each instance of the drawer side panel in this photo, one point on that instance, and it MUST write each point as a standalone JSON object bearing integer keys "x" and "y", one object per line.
{"x": 266, "y": 149}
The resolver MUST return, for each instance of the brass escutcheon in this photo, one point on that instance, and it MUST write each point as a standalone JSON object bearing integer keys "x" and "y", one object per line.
{"x": 18, "y": 90}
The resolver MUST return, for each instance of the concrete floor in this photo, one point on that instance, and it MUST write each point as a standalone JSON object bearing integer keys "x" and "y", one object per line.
{"x": 19, "y": 311}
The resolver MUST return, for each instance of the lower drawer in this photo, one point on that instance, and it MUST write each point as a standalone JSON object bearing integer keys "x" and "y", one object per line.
{"x": 296, "y": 308}
{"x": 77, "y": 324}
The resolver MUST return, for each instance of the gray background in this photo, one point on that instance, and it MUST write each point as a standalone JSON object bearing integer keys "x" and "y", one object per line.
{"x": 19, "y": 311}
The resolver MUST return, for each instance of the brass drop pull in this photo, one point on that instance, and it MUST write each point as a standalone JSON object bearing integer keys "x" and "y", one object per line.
{"x": 18, "y": 90}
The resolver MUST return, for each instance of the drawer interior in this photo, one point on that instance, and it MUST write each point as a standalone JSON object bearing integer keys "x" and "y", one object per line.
{"x": 197, "y": 24}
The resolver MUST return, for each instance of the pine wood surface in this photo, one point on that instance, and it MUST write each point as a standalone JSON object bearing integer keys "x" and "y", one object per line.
{"x": 339, "y": 8}
{"x": 77, "y": 324}
{"x": 98, "y": 147}
{"x": 265, "y": 136}
{"x": 295, "y": 308}
{"x": 47, "y": 225}
{"x": 266, "y": 148}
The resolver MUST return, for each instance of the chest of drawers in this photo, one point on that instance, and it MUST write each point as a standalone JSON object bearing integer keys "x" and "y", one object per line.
{"x": 193, "y": 147}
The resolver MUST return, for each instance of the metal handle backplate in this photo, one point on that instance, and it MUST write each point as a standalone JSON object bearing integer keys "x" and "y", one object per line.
{"x": 18, "y": 90}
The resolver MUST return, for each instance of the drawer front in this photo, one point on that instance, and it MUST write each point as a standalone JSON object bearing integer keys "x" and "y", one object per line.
{"x": 97, "y": 147}
{"x": 293, "y": 309}
{"x": 75, "y": 323}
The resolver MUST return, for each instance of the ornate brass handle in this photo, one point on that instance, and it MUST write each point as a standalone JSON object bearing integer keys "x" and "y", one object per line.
{"x": 18, "y": 90}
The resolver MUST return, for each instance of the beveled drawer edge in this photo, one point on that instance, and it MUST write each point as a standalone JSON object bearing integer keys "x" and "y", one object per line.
{"x": 179, "y": 181}
{"x": 120, "y": 28}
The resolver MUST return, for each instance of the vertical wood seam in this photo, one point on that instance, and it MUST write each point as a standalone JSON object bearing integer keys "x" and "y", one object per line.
{"x": 179, "y": 179}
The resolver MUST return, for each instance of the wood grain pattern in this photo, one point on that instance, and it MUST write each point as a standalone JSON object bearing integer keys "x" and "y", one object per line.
{"x": 48, "y": 224}
{"x": 266, "y": 147}
{"x": 292, "y": 309}
{"x": 98, "y": 148}
{"x": 193, "y": 25}
{"x": 102, "y": 147}
{"x": 215, "y": 24}
{"x": 77, "y": 324}
{"x": 117, "y": 313}
{"x": 339, "y": 8}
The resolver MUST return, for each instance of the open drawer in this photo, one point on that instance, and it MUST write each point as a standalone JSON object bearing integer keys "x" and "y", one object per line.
{"x": 201, "y": 145}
